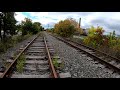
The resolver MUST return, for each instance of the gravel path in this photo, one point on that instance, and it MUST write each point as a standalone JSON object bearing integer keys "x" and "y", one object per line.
{"x": 10, "y": 52}
{"x": 78, "y": 64}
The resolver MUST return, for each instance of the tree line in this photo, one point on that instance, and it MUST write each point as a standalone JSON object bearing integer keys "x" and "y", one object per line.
{"x": 95, "y": 37}
{"x": 9, "y": 26}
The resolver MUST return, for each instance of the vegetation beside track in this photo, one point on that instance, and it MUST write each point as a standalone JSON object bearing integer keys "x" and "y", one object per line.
{"x": 11, "y": 41}
{"x": 20, "y": 63}
{"x": 11, "y": 32}
{"x": 109, "y": 43}
{"x": 56, "y": 64}
{"x": 65, "y": 28}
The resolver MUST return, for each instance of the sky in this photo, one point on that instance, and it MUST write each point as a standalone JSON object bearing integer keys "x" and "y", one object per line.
{"x": 108, "y": 20}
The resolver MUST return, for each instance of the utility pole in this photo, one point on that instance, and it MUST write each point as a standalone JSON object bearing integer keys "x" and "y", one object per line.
{"x": 48, "y": 26}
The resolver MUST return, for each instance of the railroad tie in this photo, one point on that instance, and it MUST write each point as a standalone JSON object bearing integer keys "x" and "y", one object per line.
{"x": 35, "y": 57}
{"x": 36, "y": 62}
{"x": 30, "y": 76}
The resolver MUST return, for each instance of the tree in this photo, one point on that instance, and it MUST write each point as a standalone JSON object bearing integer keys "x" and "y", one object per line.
{"x": 10, "y": 22}
{"x": 73, "y": 22}
{"x": 26, "y": 26}
{"x": 38, "y": 26}
{"x": 76, "y": 25}
{"x": 64, "y": 28}
{"x": 29, "y": 27}
{"x": 1, "y": 24}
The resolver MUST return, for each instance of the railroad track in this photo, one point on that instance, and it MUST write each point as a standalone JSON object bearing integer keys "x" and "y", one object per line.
{"x": 38, "y": 63}
{"x": 109, "y": 61}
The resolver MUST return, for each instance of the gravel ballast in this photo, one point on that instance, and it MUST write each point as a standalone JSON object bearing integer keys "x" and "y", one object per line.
{"x": 10, "y": 52}
{"x": 78, "y": 64}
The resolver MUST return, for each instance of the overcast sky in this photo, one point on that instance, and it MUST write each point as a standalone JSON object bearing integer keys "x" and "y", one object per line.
{"x": 108, "y": 20}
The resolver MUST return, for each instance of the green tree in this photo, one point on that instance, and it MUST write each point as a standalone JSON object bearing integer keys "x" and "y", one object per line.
{"x": 29, "y": 27}
{"x": 26, "y": 26}
{"x": 9, "y": 23}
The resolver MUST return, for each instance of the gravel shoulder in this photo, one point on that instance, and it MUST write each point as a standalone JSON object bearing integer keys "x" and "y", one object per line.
{"x": 79, "y": 64}
{"x": 10, "y": 52}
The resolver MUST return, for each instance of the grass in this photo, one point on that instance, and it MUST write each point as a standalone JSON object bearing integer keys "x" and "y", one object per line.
{"x": 11, "y": 42}
{"x": 56, "y": 64}
{"x": 20, "y": 63}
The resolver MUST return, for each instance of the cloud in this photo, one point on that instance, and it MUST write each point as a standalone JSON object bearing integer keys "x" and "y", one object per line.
{"x": 50, "y": 25}
{"x": 19, "y": 17}
{"x": 108, "y": 24}
{"x": 108, "y": 20}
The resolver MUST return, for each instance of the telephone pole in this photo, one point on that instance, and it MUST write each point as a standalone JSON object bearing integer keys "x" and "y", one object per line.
{"x": 48, "y": 26}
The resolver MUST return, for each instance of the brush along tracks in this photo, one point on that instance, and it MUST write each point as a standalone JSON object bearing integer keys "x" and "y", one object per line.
{"x": 109, "y": 61}
{"x": 33, "y": 61}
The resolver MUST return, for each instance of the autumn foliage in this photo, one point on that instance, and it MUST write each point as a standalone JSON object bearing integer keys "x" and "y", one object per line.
{"x": 65, "y": 28}
{"x": 95, "y": 36}
{"x": 107, "y": 43}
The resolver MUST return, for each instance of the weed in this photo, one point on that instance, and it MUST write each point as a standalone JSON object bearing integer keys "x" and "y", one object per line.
{"x": 20, "y": 63}
{"x": 56, "y": 64}
{"x": 10, "y": 42}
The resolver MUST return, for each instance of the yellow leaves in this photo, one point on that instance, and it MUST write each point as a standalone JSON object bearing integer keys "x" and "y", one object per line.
{"x": 98, "y": 30}
{"x": 86, "y": 40}
{"x": 64, "y": 28}
{"x": 95, "y": 36}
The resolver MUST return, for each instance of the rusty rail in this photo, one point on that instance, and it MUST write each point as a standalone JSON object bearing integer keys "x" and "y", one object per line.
{"x": 50, "y": 61}
{"x": 94, "y": 49}
{"x": 11, "y": 66}
{"x": 90, "y": 48}
{"x": 73, "y": 44}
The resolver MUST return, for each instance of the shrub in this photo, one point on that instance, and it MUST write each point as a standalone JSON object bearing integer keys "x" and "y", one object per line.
{"x": 64, "y": 28}
{"x": 95, "y": 37}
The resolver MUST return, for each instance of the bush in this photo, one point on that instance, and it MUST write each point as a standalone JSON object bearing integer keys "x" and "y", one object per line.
{"x": 10, "y": 42}
{"x": 95, "y": 37}
{"x": 116, "y": 50}
{"x": 106, "y": 43}
{"x": 65, "y": 28}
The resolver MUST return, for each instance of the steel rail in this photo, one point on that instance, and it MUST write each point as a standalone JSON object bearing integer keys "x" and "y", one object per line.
{"x": 93, "y": 49}
{"x": 11, "y": 66}
{"x": 99, "y": 59}
{"x": 50, "y": 61}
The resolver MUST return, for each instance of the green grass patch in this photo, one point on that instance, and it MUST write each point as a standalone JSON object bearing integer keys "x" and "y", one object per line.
{"x": 56, "y": 64}
{"x": 20, "y": 63}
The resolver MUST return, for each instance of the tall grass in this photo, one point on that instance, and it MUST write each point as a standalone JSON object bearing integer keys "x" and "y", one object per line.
{"x": 11, "y": 41}
{"x": 20, "y": 63}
